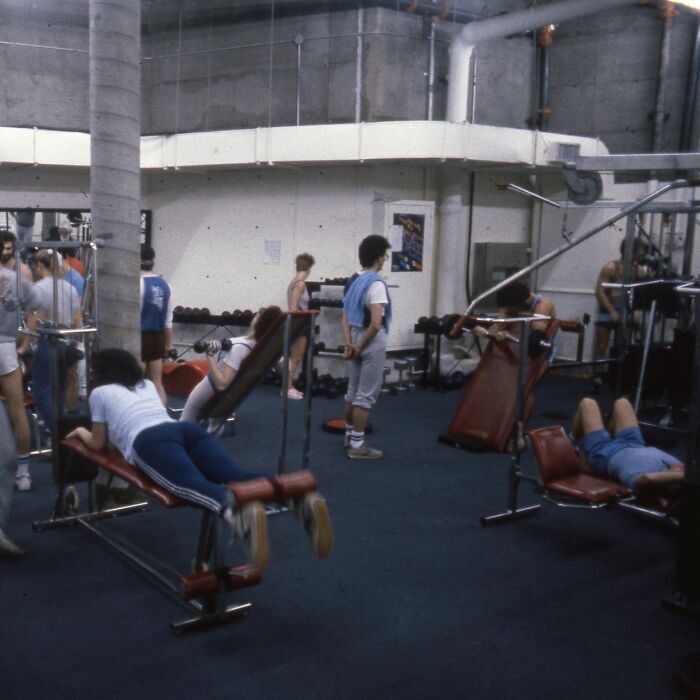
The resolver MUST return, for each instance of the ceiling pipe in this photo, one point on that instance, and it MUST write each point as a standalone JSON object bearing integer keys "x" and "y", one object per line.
{"x": 463, "y": 43}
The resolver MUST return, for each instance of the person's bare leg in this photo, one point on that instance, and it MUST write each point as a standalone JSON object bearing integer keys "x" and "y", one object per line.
{"x": 296, "y": 355}
{"x": 11, "y": 385}
{"x": 656, "y": 480}
{"x": 622, "y": 417}
{"x": 72, "y": 388}
{"x": 587, "y": 418}
{"x": 359, "y": 419}
{"x": 154, "y": 372}
{"x": 601, "y": 342}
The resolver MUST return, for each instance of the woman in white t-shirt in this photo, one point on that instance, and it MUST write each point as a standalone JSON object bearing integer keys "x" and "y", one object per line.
{"x": 182, "y": 457}
{"x": 224, "y": 370}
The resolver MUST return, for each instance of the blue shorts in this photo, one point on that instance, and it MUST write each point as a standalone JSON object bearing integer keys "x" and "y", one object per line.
{"x": 625, "y": 456}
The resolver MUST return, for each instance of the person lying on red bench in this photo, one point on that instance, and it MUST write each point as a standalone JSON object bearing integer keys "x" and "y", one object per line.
{"x": 182, "y": 457}
{"x": 621, "y": 452}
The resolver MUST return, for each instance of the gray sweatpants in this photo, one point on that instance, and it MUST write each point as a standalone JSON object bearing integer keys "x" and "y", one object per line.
{"x": 365, "y": 373}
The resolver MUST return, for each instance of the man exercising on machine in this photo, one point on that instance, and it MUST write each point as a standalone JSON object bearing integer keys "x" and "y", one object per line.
{"x": 621, "y": 453}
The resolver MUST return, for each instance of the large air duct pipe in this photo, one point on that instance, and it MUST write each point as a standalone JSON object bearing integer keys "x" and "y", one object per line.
{"x": 463, "y": 43}
{"x": 115, "y": 179}
{"x": 450, "y": 291}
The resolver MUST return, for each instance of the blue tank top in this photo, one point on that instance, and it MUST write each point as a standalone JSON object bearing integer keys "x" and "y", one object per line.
{"x": 154, "y": 303}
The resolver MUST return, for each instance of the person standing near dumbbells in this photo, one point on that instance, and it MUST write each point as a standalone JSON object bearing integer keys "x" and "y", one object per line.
{"x": 156, "y": 321}
{"x": 366, "y": 319}
{"x": 298, "y": 300}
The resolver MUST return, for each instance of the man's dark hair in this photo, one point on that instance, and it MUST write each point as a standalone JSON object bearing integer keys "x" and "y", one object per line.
{"x": 8, "y": 237}
{"x": 637, "y": 247}
{"x": 116, "y": 366}
{"x": 267, "y": 315}
{"x": 371, "y": 248}
{"x": 512, "y": 296}
{"x": 148, "y": 256}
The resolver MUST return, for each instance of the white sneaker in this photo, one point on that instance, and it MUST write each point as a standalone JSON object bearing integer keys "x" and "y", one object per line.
{"x": 294, "y": 394}
{"x": 250, "y": 524}
{"x": 23, "y": 482}
{"x": 313, "y": 513}
{"x": 8, "y": 548}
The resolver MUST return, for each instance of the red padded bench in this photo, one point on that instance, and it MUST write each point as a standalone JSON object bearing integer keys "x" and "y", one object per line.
{"x": 562, "y": 473}
{"x": 179, "y": 378}
{"x": 115, "y": 464}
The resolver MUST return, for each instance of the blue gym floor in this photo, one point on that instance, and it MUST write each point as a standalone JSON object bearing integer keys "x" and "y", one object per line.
{"x": 416, "y": 601}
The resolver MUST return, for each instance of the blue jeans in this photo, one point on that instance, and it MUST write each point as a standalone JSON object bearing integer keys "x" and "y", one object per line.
{"x": 41, "y": 378}
{"x": 183, "y": 458}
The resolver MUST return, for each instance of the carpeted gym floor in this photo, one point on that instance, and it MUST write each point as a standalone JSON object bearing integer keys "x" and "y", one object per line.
{"x": 416, "y": 601}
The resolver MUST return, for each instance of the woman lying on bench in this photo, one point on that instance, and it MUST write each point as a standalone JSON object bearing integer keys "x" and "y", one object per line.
{"x": 127, "y": 412}
{"x": 623, "y": 456}
{"x": 224, "y": 371}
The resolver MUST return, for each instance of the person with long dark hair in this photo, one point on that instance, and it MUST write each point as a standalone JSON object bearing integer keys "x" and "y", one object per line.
{"x": 181, "y": 456}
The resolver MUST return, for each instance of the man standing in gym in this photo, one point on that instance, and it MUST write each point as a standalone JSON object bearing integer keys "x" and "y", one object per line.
{"x": 156, "y": 321}
{"x": 366, "y": 319}
{"x": 610, "y": 303}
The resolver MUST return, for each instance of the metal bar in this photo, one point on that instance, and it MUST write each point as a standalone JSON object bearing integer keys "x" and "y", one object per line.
{"x": 65, "y": 520}
{"x": 573, "y": 242}
{"x": 645, "y": 355}
{"x": 230, "y": 612}
{"x": 281, "y": 464}
{"x": 532, "y": 195}
{"x": 640, "y": 161}
{"x": 307, "y": 393}
{"x": 166, "y": 584}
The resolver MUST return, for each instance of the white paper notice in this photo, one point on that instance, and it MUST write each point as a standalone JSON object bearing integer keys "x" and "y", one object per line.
{"x": 273, "y": 250}
{"x": 396, "y": 237}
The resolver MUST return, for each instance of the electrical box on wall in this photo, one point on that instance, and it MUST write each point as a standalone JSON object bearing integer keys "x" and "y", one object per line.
{"x": 493, "y": 262}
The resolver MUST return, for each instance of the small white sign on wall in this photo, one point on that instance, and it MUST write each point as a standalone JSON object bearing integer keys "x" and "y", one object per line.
{"x": 273, "y": 252}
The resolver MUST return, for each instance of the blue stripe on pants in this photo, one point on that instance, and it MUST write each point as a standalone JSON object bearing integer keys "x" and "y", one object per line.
{"x": 187, "y": 461}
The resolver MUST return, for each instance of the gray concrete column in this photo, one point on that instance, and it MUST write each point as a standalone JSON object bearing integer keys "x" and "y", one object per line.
{"x": 450, "y": 297}
{"x": 115, "y": 179}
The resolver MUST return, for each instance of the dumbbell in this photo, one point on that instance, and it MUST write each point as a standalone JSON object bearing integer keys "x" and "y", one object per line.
{"x": 211, "y": 347}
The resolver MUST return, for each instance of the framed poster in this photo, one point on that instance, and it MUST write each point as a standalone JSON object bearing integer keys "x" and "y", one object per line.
{"x": 407, "y": 238}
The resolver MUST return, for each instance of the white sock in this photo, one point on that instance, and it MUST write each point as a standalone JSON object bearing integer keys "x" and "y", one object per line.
{"x": 22, "y": 465}
{"x": 356, "y": 440}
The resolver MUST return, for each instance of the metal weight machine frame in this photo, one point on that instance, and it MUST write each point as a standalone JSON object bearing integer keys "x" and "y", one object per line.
{"x": 89, "y": 305}
{"x": 570, "y": 243}
{"x": 515, "y": 475}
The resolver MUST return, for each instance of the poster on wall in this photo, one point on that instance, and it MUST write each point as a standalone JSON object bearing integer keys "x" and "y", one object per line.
{"x": 407, "y": 236}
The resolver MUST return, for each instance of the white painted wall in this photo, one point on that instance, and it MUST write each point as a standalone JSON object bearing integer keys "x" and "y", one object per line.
{"x": 209, "y": 233}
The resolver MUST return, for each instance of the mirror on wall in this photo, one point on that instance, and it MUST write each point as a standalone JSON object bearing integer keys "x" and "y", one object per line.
{"x": 58, "y": 224}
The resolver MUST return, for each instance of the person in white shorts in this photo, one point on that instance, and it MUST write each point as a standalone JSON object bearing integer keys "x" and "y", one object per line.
{"x": 223, "y": 371}
{"x": 10, "y": 372}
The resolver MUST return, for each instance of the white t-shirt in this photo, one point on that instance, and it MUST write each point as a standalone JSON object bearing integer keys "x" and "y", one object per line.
{"x": 240, "y": 350}
{"x": 376, "y": 294}
{"x": 127, "y": 412}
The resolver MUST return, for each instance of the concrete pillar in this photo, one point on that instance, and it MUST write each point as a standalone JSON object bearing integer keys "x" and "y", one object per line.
{"x": 115, "y": 180}
{"x": 450, "y": 297}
